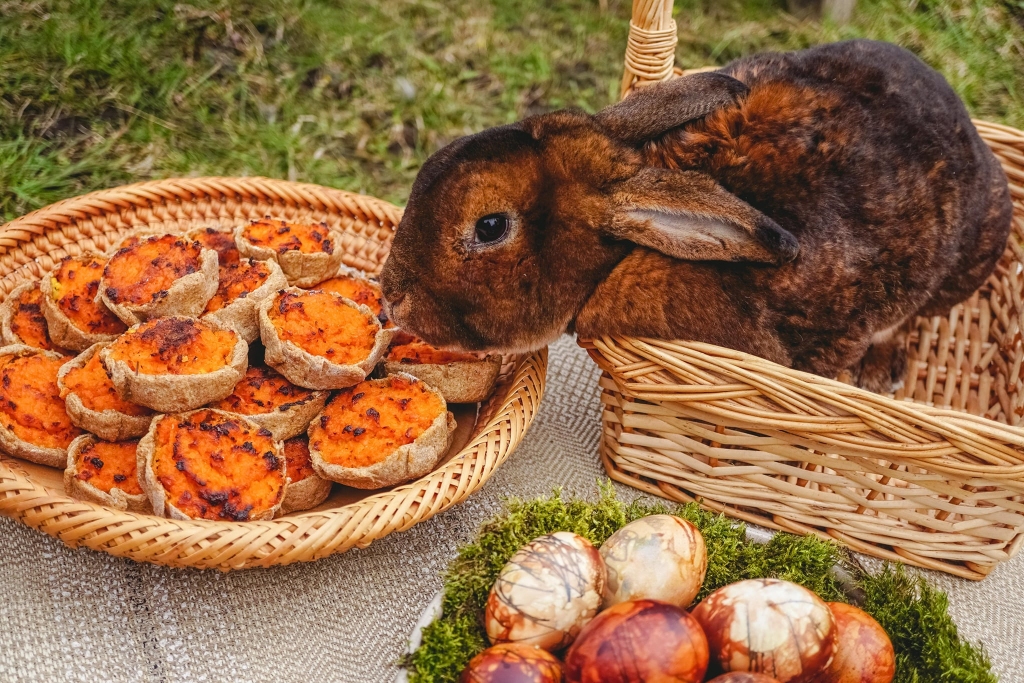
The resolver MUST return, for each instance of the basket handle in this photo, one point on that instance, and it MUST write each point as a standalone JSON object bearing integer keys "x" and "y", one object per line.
{"x": 651, "y": 48}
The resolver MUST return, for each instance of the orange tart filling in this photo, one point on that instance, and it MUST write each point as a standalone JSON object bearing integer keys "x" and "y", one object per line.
{"x": 214, "y": 467}
{"x": 174, "y": 346}
{"x": 28, "y": 322}
{"x": 282, "y": 236}
{"x": 108, "y": 465}
{"x": 418, "y": 352}
{"x": 263, "y": 390}
{"x": 30, "y": 403}
{"x": 143, "y": 272}
{"x": 361, "y": 291}
{"x": 296, "y": 452}
{"x": 75, "y": 284}
{"x": 237, "y": 280}
{"x": 221, "y": 242}
{"x": 94, "y": 389}
{"x": 322, "y": 324}
{"x": 364, "y": 424}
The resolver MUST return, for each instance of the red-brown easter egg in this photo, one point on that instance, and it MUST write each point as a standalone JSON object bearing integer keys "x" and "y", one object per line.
{"x": 513, "y": 663}
{"x": 863, "y": 653}
{"x": 768, "y": 626}
{"x": 636, "y": 641}
{"x": 743, "y": 677}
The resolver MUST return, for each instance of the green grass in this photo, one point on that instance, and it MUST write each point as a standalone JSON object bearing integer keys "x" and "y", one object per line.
{"x": 356, "y": 94}
{"x": 928, "y": 647}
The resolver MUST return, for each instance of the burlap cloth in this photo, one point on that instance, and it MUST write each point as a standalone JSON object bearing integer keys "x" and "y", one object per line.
{"x": 71, "y": 615}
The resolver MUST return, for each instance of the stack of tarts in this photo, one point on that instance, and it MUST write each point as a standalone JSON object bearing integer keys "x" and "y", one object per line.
{"x": 229, "y": 374}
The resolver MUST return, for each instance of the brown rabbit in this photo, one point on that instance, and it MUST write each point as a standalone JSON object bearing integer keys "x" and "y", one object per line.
{"x": 803, "y": 207}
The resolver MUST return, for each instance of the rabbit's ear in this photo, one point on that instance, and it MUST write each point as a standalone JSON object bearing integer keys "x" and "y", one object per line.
{"x": 651, "y": 111}
{"x": 687, "y": 215}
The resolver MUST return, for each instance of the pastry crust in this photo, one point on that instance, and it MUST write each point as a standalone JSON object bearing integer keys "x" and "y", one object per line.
{"x": 406, "y": 462}
{"x": 84, "y": 490}
{"x": 157, "y": 494}
{"x": 187, "y": 295}
{"x": 284, "y": 418}
{"x": 65, "y": 332}
{"x": 107, "y": 424}
{"x": 462, "y": 379}
{"x": 303, "y": 269}
{"x": 241, "y": 314}
{"x": 8, "y": 313}
{"x": 169, "y": 393}
{"x": 14, "y": 445}
{"x": 312, "y": 489}
{"x": 313, "y": 371}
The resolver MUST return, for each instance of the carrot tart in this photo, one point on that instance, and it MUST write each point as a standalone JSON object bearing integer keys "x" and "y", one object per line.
{"x": 92, "y": 402}
{"x": 160, "y": 275}
{"x": 75, "y": 316}
{"x": 353, "y": 285}
{"x": 221, "y": 241}
{"x": 22, "y": 320}
{"x": 381, "y": 432}
{"x": 209, "y": 464}
{"x": 33, "y": 422}
{"x": 175, "y": 363}
{"x": 104, "y": 472}
{"x": 460, "y": 377}
{"x": 308, "y": 254}
{"x": 241, "y": 287}
{"x": 306, "y": 489}
{"x": 319, "y": 339}
{"x": 270, "y": 400}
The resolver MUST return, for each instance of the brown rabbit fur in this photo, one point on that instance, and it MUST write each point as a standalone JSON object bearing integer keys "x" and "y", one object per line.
{"x": 803, "y": 207}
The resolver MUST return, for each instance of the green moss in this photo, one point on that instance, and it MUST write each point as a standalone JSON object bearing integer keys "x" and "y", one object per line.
{"x": 451, "y": 641}
{"x": 928, "y": 647}
{"x": 915, "y": 615}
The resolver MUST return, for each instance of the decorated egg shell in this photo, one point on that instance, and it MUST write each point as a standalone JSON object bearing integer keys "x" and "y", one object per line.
{"x": 743, "y": 677}
{"x": 768, "y": 626}
{"x": 637, "y": 641}
{"x": 546, "y": 593}
{"x": 660, "y": 557}
{"x": 863, "y": 652}
{"x": 513, "y": 663}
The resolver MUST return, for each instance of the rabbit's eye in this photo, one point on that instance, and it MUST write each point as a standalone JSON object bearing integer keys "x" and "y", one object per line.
{"x": 491, "y": 228}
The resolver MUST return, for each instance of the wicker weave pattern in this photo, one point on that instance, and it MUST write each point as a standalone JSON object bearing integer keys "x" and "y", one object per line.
{"x": 32, "y": 244}
{"x": 936, "y": 480}
{"x": 651, "y": 47}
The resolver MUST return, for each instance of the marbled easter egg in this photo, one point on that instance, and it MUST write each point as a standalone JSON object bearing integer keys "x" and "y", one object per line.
{"x": 546, "y": 593}
{"x": 641, "y": 641}
{"x": 768, "y": 626}
{"x": 863, "y": 653}
{"x": 513, "y": 663}
{"x": 743, "y": 677}
{"x": 660, "y": 557}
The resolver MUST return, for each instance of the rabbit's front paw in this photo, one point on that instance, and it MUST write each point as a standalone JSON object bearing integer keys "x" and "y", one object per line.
{"x": 883, "y": 367}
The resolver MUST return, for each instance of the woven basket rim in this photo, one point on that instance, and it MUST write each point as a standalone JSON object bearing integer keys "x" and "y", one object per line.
{"x": 81, "y": 523}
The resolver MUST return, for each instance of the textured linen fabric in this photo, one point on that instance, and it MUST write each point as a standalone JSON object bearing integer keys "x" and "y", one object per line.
{"x": 78, "y": 615}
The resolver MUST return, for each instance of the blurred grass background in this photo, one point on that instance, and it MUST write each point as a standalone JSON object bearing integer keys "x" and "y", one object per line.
{"x": 96, "y": 93}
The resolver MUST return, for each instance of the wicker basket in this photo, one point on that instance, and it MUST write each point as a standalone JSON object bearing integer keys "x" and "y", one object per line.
{"x": 30, "y": 245}
{"x": 933, "y": 476}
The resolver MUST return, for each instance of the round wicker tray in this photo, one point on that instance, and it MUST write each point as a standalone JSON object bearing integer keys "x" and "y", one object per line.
{"x": 33, "y": 494}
